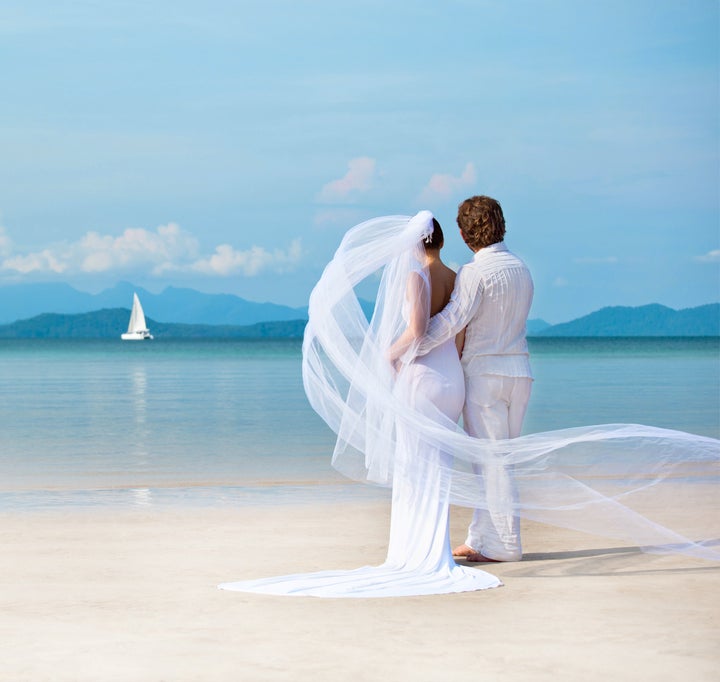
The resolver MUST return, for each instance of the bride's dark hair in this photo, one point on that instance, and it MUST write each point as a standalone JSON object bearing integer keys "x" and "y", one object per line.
{"x": 435, "y": 241}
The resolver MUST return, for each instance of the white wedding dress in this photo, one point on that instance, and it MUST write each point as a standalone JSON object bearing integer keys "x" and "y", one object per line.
{"x": 626, "y": 481}
{"x": 419, "y": 559}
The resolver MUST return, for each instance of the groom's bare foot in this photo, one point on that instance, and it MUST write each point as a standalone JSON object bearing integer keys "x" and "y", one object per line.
{"x": 478, "y": 558}
{"x": 469, "y": 554}
{"x": 463, "y": 551}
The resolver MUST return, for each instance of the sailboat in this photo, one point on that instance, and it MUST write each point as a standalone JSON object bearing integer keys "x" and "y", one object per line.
{"x": 137, "y": 329}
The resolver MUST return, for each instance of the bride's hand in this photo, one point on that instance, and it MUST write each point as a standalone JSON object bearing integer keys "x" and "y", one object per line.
{"x": 394, "y": 362}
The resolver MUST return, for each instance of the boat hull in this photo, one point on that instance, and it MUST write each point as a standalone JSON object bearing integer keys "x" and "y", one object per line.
{"x": 136, "y": 336}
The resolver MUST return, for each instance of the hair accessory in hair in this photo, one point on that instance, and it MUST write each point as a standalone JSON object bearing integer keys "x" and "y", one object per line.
{"x": 423, "y": 221}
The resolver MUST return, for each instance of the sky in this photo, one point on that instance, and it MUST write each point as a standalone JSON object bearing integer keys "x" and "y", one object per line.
{"x": 226, "y": 146}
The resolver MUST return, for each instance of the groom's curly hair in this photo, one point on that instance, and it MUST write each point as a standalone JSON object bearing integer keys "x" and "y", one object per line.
{"x": 481, "y": 222}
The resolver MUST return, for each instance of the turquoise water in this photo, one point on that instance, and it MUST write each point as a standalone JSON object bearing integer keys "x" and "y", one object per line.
{"x": 102, "y": 422}
{"x": 668, "y": 382}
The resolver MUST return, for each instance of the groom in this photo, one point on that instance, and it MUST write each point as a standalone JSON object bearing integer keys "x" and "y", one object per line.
{"x": 491, "y": 301}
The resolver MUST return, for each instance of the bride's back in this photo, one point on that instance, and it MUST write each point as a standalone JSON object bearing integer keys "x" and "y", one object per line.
{"x": 442, "y": 281}
{"x": 442, "y": 278}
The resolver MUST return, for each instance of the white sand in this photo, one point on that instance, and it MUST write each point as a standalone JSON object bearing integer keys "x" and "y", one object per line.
{"x": 132, "y": 596}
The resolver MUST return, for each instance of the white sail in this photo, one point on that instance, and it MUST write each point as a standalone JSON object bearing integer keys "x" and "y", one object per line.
{"x": 137, "y": 327}
{"x": 137, "y": 317}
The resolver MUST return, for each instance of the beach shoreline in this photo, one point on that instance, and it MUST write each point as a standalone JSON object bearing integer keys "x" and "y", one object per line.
{"x": 131, "y": 594}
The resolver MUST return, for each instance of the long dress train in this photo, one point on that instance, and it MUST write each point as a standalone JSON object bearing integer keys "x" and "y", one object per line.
{"x": 419, "y": 559}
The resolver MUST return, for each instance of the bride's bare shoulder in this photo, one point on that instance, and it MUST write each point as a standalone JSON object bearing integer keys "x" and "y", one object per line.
{"x": 446, "y": 276}
{"x": 443, "y": 280}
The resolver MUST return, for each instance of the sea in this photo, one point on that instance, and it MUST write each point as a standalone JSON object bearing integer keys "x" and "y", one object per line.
{"x": 166, "y": 423}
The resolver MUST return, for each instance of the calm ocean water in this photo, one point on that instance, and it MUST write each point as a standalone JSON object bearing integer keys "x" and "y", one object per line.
{"x": 98, "y": 423}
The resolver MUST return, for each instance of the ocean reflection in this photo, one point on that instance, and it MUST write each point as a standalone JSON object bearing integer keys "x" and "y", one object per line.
{"x": 139, "y": 385}
{"x": 141, "y": 430}
{"x": 141, "y": 497}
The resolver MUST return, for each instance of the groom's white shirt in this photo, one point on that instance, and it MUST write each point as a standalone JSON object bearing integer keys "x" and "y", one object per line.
{"x": 492, "y": 299}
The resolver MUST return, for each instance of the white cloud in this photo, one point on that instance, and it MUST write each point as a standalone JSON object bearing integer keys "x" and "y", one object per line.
{"x": 560, "y": 282}
{"x": 228, "y": 261}
{"x": 169, "y": 248}
{"x": 709, "y": 257}
{"x": 41, "y": 261}
{"x": 358, "y": 179}
{"x": 444, "y": 186}
{"x": 134, "y": 247}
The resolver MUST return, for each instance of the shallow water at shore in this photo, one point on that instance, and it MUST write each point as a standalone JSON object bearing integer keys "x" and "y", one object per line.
{"x": 106, "y": 423}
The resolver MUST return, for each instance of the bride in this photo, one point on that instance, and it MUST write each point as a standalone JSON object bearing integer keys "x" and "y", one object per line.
{"x": 395, "y": 414}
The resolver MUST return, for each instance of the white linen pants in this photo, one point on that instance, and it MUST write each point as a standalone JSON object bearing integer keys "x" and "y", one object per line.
{"x": 495, "y": 407}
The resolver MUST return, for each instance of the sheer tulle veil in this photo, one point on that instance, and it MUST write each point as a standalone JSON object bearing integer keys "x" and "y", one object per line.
{"x": 630, "y": 482}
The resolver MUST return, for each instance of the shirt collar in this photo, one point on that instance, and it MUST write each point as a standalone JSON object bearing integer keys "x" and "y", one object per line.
{"x": 493, "y": 248}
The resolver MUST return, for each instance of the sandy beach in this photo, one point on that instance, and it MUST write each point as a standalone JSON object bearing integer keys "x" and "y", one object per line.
{"x": 131, "y": 595}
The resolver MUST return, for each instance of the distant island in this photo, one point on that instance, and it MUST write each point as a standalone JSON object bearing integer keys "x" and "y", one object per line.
{"x": 646, "y": 320}
{"x": 618, "y": 321}
{"x": 109, "y": 323}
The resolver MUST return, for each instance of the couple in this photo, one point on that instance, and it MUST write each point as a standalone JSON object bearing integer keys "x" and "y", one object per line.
{"x": 483, "y": 311}
{"x": 393, "y": 390}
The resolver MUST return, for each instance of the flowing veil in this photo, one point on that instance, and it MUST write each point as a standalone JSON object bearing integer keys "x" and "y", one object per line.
{"x": 625, "y": 481}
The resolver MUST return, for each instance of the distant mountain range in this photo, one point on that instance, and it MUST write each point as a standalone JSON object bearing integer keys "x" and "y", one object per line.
{"x": 23, "y": 301}
{"x": 646, "y": 320}
{"x": 60, "y": 311}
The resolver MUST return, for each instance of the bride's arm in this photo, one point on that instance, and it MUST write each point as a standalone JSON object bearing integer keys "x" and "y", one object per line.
{"x": 417, "y": 296}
